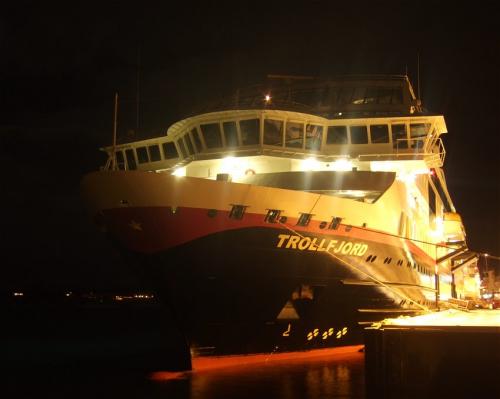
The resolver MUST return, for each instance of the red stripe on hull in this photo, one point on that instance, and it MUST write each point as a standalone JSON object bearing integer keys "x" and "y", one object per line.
{"x": 155, "y": 229}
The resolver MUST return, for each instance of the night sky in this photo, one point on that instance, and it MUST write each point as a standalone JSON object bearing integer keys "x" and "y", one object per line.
{"x": 60, "y": 68}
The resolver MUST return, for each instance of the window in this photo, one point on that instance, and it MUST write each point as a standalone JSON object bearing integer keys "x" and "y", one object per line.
{"x": 390, "y": 95}
{"x": 154, "y": 153}
{"x": 180, "y": 144}
{"x": 304, "y": 219}
{"x": 197, "y": 141}
{"x": 359, "y": 135}
{"x": 371, "y": 95}
{"x": 169, "y": 150}
{"x": 250, "y": 131}
{"x": 358, "y": 96}
{"x": 399, "y": 139}
{"x": 334, "y": 225}
{"x": 272, "y": 216}
{"x": 142, "y": 155}
{"x": 230, "y": 134}
{"x": 131, "y": 165}
{"x": 120, "y": 161}
{"x": 211, "y": 133}
{"x": 418, "y": 133}
{"x": 273, "y": 132}
{"x": 314, "y": 133}
{"x": 379, "y": 133}
{"x": 237, "y": 212}
{"x": 336, "y": 135}
{"x": 294, "y": 134}
{"x": 188, "y": 144}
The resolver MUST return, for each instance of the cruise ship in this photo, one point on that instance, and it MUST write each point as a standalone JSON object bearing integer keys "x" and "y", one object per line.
{"x": 290, "y": 214}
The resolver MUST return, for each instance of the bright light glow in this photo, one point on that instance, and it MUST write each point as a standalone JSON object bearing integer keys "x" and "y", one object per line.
{"x": 310, "y": 164}
{"x": 268, "y": 98}
{"x": 18, "y": 294}
{"x": 450, "y": 317}
{"x": 179, "y": 172}
{"x": 236, "y": 167}
{"x": 341, "y": 165}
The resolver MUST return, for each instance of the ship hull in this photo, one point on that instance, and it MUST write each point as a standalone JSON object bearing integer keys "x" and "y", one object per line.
{"x": 244, "y": 285}
{"x": 243, "y": 291}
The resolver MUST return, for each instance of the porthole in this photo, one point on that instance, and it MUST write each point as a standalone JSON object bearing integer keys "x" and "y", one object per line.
{"x": 348, "y": 228}
{"x": 322, "y": 225}
{"x": 237, "y": 212}
{"x": 272, "y": 216}
{"x": 283, "y": 219}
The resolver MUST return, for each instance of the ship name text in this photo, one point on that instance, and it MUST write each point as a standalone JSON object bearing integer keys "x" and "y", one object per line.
{"x": 321, "y": 245}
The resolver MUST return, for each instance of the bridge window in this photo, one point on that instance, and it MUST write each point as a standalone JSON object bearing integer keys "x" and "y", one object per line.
{"x": 129, "y": 154}
{"x": 304, "y": 219}
{"x": 294, "y": 134}
{"x": 399, "y": 138}
{"x": 272, "y": 216}
{"x": 169, "y": 150}
{"x": 154, "y": 153}
{"x": 273, "y": 132}
{"x": 211, "y": 133}
{"x": 418, "y": 133}
{"x": 250, "y": 131}
{"x": 142, "y": 155}
{"x": 359, "y": 135}
{"x": 120, "y": 162}
{"x": 180, "y": 144}
{"x": 314, "y": 134}
{"x": 358, "y": 96}
{"x": 230, "y": 134}
{"x": 336, "y": 135}
{"x": 188, "y": 144}
{"x": 237, "y": 212}
{"x": 379, "y": 133}
{"x": 197, "y": 141}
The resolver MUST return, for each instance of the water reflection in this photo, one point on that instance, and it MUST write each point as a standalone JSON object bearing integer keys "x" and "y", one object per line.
{"x": 321, "y": 377}
{"x": 338, "y": 376}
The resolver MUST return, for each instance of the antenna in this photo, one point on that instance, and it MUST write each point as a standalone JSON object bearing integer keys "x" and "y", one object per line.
{"x": 137, "y": 88}
{"x": 418, "y": 76}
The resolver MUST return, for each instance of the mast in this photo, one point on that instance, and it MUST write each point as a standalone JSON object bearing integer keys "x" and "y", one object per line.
{"x": 113, "y": 155}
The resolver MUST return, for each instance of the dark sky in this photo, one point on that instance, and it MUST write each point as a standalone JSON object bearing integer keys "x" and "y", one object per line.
{"x": 60, "y": 68}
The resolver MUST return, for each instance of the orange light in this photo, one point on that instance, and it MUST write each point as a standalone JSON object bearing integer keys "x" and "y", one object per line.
{"x": 204, "y": 363}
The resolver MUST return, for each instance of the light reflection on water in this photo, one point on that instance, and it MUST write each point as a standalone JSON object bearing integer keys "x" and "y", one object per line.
{"x": 325, "y": 377}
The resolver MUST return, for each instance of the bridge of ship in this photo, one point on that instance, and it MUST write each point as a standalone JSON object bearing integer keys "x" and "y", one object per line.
{"x": 286, "y": 134}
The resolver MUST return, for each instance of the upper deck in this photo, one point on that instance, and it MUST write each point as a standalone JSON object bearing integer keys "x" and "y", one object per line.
{"x": 357, "y": 119}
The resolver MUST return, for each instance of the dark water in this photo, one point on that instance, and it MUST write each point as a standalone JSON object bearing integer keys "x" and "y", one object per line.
{"x": 326, "y": 377}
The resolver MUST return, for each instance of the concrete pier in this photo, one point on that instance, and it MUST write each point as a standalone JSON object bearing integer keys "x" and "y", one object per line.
{"x": 451, "y": 354}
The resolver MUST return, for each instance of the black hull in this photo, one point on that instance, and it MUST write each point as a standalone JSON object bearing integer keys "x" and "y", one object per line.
{"x": 227, "y": 291}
